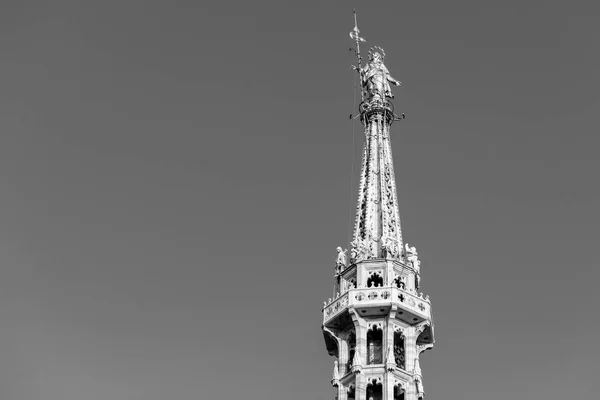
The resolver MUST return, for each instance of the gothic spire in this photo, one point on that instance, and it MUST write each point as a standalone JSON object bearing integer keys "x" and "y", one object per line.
{"x": 377, "y": 232}
{"x": 377, "y": 323}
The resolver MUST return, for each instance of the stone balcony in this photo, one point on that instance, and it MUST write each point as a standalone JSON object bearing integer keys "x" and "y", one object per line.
{"x": 411, "y": 308}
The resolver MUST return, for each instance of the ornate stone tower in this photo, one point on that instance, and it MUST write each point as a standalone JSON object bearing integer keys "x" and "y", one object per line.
{"x": 378, "y": 324}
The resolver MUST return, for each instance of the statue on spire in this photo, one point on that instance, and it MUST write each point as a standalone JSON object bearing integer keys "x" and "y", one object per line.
{"x": 376, "y": 78}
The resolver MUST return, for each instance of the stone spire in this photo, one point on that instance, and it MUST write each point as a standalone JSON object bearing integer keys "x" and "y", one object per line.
{"x": 377, "y": 324}
{"x": 377, "y": 232}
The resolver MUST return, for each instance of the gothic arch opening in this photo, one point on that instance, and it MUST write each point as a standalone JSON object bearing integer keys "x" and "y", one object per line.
{"x": 351, "y": 283}
{"x": 425, "y": 337}
{"x": 351, "y": 392}
{"x": 374, "y": 390}
{"x": 399, "y": 282}
{"x": 375, "y": 280}
{"x": 374, "y": 346}
{"x": 399, "y": 350}
{"x": 398, "y": 392}
{"x": 351, "y": 349}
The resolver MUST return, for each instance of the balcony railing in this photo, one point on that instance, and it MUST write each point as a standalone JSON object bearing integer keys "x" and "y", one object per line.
{"x": 380, "y": 296}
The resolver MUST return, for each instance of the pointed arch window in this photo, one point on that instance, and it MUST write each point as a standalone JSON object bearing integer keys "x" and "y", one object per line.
{"x": 399, "y": 350}
{"x": 375, "y": 280}
{"x": 375, "y": 390}
{"x": 351, "y": 349}
{"x": 374, "y": 346}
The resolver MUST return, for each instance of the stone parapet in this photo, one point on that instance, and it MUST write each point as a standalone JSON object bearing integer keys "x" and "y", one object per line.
{"x": 412, "y": 308}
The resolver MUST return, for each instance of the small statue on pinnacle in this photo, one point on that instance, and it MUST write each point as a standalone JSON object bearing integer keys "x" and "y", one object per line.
{"x": 341, "y": 261}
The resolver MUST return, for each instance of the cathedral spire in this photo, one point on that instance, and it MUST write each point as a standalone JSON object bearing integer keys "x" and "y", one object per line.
{"x": 377, "y": 324}
{"x": 377, "y": 232}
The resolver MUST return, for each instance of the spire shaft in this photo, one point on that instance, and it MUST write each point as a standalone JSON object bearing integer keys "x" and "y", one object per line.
{"x": 377, "y": 232}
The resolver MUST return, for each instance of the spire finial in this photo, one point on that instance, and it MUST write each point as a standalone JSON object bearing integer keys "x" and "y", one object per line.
{"x": 356, "y": 365}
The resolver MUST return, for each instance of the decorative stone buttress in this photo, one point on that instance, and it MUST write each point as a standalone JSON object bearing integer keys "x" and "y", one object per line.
{"x": 378, "y": 324}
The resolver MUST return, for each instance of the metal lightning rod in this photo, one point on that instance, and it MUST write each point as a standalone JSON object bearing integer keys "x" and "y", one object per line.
{"x": 355, "y": 35}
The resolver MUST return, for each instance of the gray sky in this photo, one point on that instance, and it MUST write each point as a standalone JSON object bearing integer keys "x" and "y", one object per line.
{"x": 176, "y": 177}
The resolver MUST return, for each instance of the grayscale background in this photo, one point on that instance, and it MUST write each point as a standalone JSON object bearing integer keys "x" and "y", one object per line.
{"x": 176, "y": 175}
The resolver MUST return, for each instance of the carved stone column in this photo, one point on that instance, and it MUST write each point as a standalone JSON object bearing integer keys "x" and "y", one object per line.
{"x": 360, "y": 329}
{"x": 342, "y": 393}
{"x": 410, "y": 392}
{"x": 360, "y": 354}
{"x": 410, "y": 349}
{"x": 343, "y": 350}
{"x": 361, "y": 387}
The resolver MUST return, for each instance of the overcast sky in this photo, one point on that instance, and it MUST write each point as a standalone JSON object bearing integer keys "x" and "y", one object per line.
{"x": 176, "y": 177}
